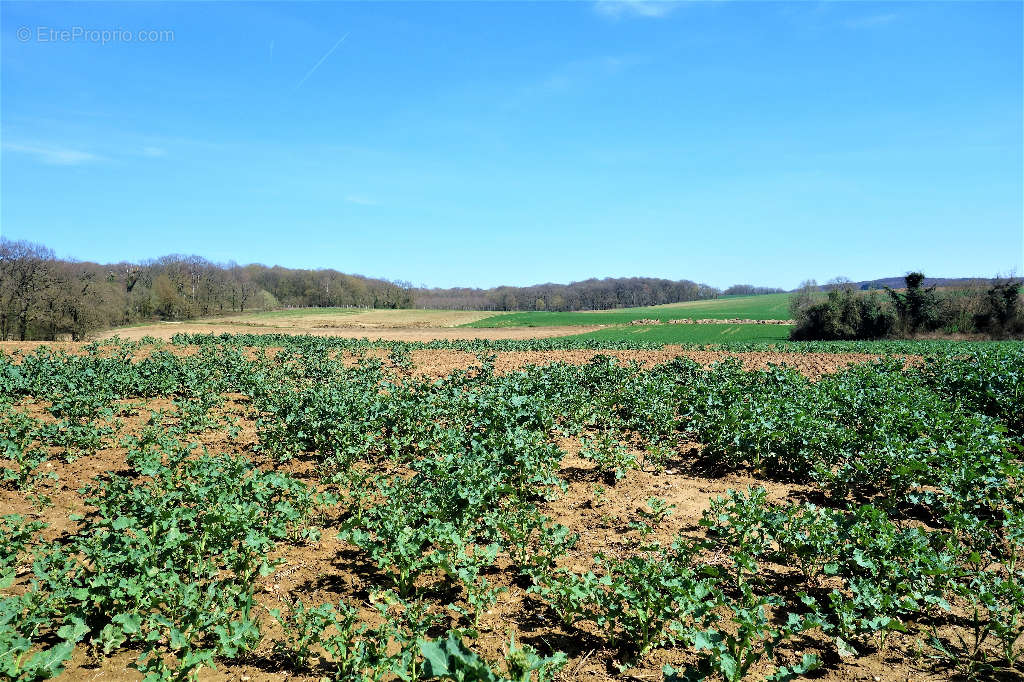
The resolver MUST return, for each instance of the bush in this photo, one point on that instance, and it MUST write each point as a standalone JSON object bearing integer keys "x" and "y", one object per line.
{"x": 844, "y": 315}
{"x": 1001, "y": 314}
{"x": 918, "y": 307}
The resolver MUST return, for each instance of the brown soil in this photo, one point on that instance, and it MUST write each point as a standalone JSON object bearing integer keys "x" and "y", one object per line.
{"x": 166, "y": 330}
{"x": 363, "y": 318}
{"x": 437, "y": 363}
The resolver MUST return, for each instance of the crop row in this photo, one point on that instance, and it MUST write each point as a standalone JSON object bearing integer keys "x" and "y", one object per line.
{"x": 440, "y": 487}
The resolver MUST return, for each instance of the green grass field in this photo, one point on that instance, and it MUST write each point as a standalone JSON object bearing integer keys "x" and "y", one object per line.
{"x": 767, "y": 307}
{"x": 692, "y": 333}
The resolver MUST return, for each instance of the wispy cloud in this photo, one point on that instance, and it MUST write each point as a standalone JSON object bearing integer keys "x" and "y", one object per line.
{"x": 654, "y": 9}
{"x": 871, "y": 21}
{"x": 322, "y": 60}
{"x": 154, "y": 152}
{"x": 53, "y": 155}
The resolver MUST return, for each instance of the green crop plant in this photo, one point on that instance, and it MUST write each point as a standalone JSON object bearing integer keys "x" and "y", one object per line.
{"x": 612, "y": 458}
{"x": 445, "y": 488}
{"x": 752, "y": 638}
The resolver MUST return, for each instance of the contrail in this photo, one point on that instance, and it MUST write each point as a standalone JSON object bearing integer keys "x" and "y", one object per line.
{"x": 317, "y": 65}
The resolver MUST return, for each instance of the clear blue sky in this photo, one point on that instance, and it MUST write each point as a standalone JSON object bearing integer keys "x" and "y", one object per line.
{"x": 489, "y": 143}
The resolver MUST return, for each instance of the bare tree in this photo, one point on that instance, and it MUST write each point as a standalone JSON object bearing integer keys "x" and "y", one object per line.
{"x": 24, "y": 276}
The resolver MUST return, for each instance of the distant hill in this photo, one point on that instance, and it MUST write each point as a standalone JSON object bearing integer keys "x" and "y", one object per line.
{"x": 898, "y": 283}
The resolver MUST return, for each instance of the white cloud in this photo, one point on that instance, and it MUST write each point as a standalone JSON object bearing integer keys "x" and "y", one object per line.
{"x": 635, "y": 8}
{"x": 52, "y": 155}
{"x": 153, "y": 152}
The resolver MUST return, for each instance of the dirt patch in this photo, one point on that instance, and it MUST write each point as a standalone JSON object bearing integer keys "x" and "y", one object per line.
{"x": 166, "y": 330}
{"x": 355, "y": 318}
{"x": 30, "y": 346}
{"x": 813, "y": 365}
{"x": 440, "y": 363}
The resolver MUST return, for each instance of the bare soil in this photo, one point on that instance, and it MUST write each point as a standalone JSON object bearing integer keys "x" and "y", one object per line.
{"x": 326, "y": 318}
{"x": 438, "y": 363}
{"x": 165, "y": 330}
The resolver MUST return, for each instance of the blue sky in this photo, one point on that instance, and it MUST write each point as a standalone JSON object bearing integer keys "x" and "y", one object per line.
{"x": 480, "y": 144}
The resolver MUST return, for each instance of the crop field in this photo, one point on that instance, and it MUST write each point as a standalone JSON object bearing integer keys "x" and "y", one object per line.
{"x": 693, "y": 333}
{"x": 766, "y": 307}
{"x": 251, "y": 507}
{"x": 326, "y": 318}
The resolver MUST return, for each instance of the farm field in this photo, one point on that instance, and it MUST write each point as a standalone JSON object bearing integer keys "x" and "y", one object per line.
{"x": 693, "y": 333}
{"x": 419, "y": 325}
{"x": 585, "y": 509}
{"x": 327, "y": 318}
{"x": 167, "y": 330}
{"x": 766, "y": 307}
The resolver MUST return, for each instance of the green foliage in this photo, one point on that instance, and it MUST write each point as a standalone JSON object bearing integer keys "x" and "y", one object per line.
{"x": 917, "y": 307}
{"x": 992, "y": 639}
{"x": 690, "y": 334}
{"x": 731, "y": 653}
{"x": 169, "y": 564}
{"x": 761, "y": 307}
{"x": 20, "y": 447}
{"x": 441, "y": 489}
{"x": 613, "y": 459}
{"x": 1001, "y": 315}
{"x": 640, "y": 602}
{"x": 15, "y": 535}
{"x": 849, "y": 314}
{"x": 451, "y": 659}
{"x": 844, "y": 315}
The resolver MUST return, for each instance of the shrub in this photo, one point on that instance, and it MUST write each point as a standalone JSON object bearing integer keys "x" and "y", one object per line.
{"x": 1001, "y": 314}
{"x": 844, "y": 315}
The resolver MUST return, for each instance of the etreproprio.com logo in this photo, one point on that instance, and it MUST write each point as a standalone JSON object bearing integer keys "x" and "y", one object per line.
{"x": 100, "y": 36}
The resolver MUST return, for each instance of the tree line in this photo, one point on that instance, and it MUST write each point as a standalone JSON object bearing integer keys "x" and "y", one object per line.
{"x": 45, "y": 297}
{"x": 751, "y": 290}
{"x": 590, "y": 294}
{"x": 990, "y": 308}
